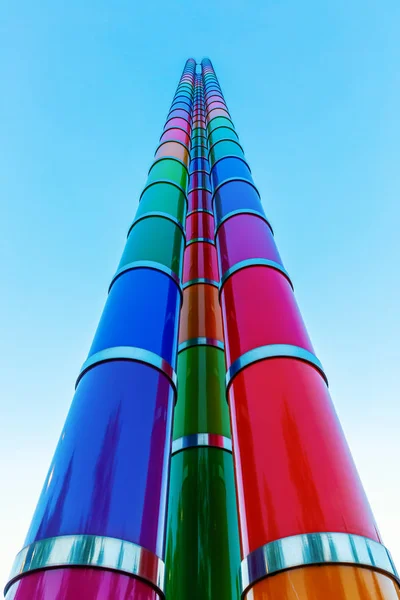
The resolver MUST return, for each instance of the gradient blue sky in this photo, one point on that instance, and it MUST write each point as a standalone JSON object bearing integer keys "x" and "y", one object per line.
{"x": 313, "y": 88}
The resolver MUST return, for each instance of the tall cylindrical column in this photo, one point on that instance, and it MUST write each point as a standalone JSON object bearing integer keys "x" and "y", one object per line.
{"x": 202, "y": 558}
{"x": 103, "y": 505}
{"x": 306, "y": 528}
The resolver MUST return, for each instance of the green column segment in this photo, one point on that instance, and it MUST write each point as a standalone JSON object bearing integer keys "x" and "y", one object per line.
{"x": 202, "y": 554}
{"x": 164, "y": 198}
{"x": 201, "y": 405}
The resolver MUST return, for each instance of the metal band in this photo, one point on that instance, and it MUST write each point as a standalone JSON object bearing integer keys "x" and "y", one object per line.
{"x": 146, "y": 264}
{"x": 242, "y": 211}
{"x": 90, "y": 551}
{"x": 133, "y": 354}
{"x": 203, "y": 210}
{"x": 272, "y": 351}
{"x": 314, "y": 549}
{"x": 198, "y": 280}
{"x": 178, "y": 160}
{"x": 199, "y": 440}
{"x": 201, "y": 341}
{"x": 157, "y": 213}
{"x": 202, "y": 239}
{"x": 201, "y": 187}
{"x": 199, "y": 170}
{"x": 253, "y": 262}
{"x": 230, "y": 156}
{"x": 164, "y": 181}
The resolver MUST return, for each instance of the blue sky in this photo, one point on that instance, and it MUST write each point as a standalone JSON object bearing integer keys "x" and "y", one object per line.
{"x": 313, "y": 88}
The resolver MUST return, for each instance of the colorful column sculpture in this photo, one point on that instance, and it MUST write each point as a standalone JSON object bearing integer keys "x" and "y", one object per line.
{"x": 103, "y": 505}
{"x": 202, "y": 557}
{"x": 306, "y": 529}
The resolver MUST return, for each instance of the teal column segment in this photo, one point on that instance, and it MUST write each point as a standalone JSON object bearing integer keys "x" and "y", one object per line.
{"x": 202, "y": 553}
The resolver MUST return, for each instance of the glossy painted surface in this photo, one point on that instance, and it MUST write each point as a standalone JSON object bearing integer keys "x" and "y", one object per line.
{"x": 215, "y": 101}
{"x": 199, "y": 199}
{"x": 201, "y": 313}
{"x": 256, "y": 319}
{"x": 179, "y": 113}
{"x": 216, "y": 122}
{"x": 243, "y": 237}
{"x": 109, "y": 475}
{"x": 175, "y": 134}
{"x": 327, "y": 583}
{"x": 177, "y": 122}
{"x": 181, "y": 106}
{"x": 173, "y": 149}
{"x": 200, "y": 179}
{"x": 170, "y": 169}
{"x": 218, "y": 112}
{"x": 228, "y": 168}
{"x": 198, "y": 131}
{"x": 165, "y": 198}
{"x": 200, "y": 260}
{"x": 222, "y": 133}
{"x": 202, "y": 545}
{"x": 168, "y": 250}
{"x": 201, "y": 404}
{"x": 228, "y": 148}
{"x": 289, "y": 481}
{"x": 199, "y": 152}
{"x": 199, "y": 164}
{"x": 77, "y": 584}
{"x": 235, "y": 195}
{"x": 146, "y": 320}
{"x": 199, "y": 225}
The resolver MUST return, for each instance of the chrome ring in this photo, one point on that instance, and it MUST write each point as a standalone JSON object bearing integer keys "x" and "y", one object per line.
{"x": 242, "y": 211}
{"x": 198, "y": 280}
{"x": 199, "y": 170}
{"x": 203, "y": 210}
{"x": 157, "y": 213}
{"x": 131, "y": 353}
{"x": 89, "y": 551}
{"x": 201, "y": 341}
{"x": 206, "y": 240}
{"x": 178, "y": 160}
{"x": 272, "y": 351}
{"x": 169, "y": 181}
{"x": 201, "y": 187}
{"x": 199, "y": 440}
{"x": 253, "y": 262}
{"x": 314, "y": 549}
{"x": 230, "y": 179}
{"x": 146, "y": 264}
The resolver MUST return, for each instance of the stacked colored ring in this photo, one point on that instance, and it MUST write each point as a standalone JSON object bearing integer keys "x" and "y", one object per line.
{"x": 202, "y": 556}
{"x": 301, "y": 503}
{"x": 103, "y": 505}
